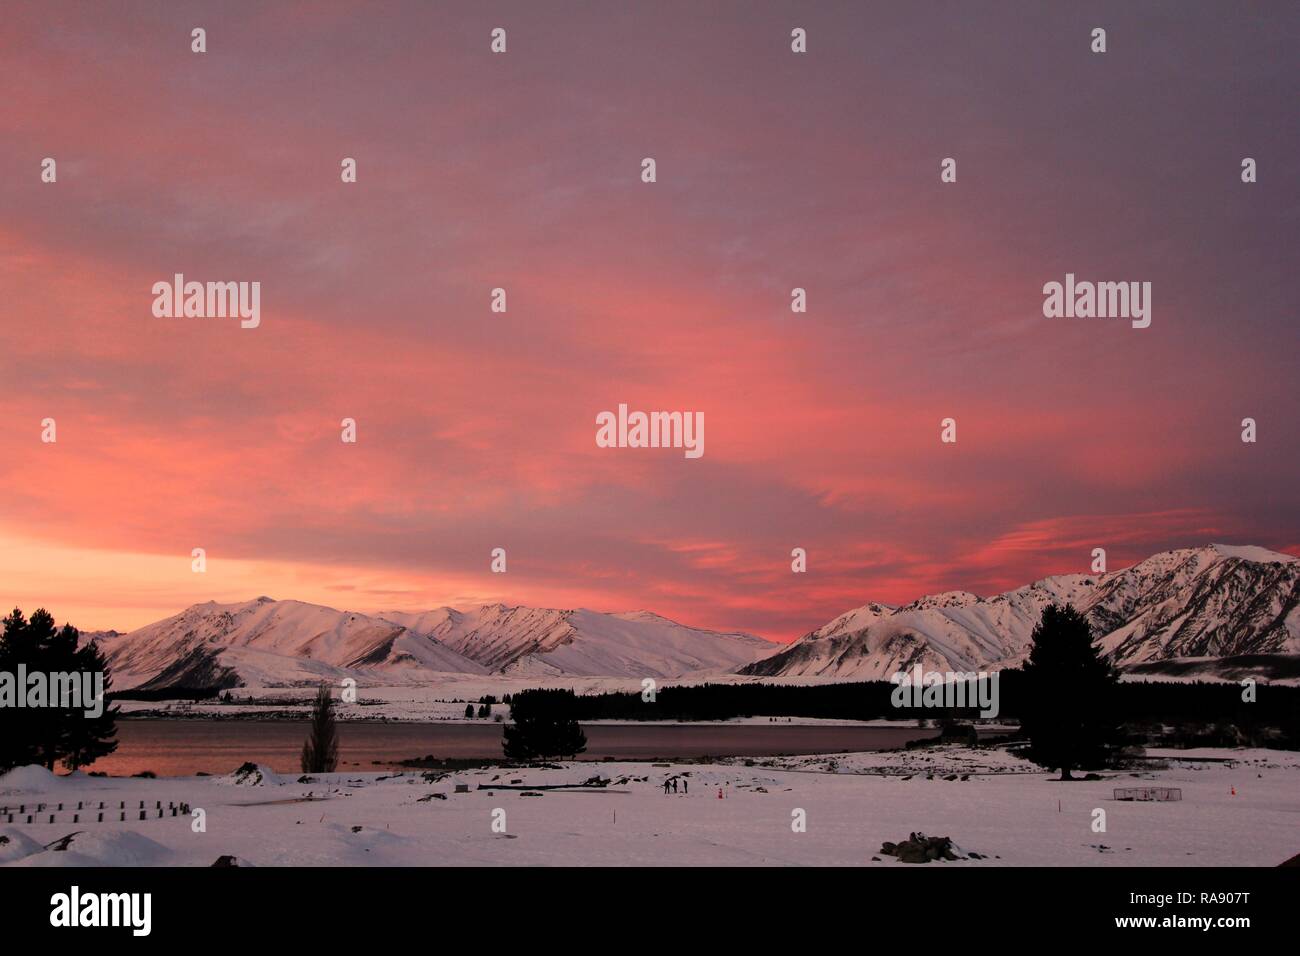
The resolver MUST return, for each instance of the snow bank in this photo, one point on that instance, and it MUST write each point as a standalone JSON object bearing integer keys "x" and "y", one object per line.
{"x": 103, "y": 848}
{"x": 251, "y": 775}
{"x": 15, "y": 844}
{"x": 28, "y": 779}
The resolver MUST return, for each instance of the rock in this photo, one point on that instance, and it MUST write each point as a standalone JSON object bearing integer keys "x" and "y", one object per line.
{"x": 912, "y": 853}
{"x": 919, "y": 848}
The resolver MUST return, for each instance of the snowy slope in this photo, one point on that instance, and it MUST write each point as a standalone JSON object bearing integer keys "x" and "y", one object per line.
{"x": 268, "y": 643}
{"x": 284, "y": 643}
{"x": 1203, "y": 603}
{"x": 1206, "y": 602}
{"x": 525, "y": 641}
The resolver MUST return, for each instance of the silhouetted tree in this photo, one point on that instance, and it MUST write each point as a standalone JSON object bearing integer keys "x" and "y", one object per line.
{"x": 91, "y": 737}
{"x": 485, "y": 710}
{"x": 320, "y": 753}
{"x": 543, "y": 725}
{"x": 469, "y": 710}
{"x": 1068, "y": 709}
{"x": 50, "y": 732}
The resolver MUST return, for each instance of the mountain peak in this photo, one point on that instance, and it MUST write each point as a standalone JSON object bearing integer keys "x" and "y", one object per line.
{"x": 1248, "y": 552}
{"x": 1210, "y": 602}
{"x": 277, "y": 643}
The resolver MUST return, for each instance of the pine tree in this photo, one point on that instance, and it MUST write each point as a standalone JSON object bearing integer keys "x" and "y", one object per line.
{"x": 320, "y": 753}
{"x": 543, "y": 725}
{"x": 48, "y": 733}
{"x": 1070, "y": 695}
{"x": 90, "y": 738}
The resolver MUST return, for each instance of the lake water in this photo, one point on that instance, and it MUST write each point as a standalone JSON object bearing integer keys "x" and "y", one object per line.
{"x": 181, "y": 747}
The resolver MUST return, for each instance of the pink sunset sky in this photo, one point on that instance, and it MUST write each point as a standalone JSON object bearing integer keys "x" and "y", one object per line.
{"x": 522, "y": 171}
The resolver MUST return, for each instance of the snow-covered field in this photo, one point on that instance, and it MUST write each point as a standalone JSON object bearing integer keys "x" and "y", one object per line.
{"x": 1240, "y": 812}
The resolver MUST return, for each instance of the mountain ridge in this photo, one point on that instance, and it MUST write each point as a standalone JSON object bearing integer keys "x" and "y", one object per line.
{"x": 275, "y": 643}
{"x": 1213, "y": 602}
{"x": 1209, "y": 602}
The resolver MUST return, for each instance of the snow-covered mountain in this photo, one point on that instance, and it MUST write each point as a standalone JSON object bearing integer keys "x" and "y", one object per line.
{"x": 1200, "y": 604}
{"x": 279, "y": 643}
{"x": 268, "y": 643}
{"x": 541, "y": 642}
{"x": 1210, "y": 602}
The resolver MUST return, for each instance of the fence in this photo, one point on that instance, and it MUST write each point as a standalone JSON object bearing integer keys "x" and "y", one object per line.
{"x": 1159, "y": 794}
{"x": 84, "y": 813}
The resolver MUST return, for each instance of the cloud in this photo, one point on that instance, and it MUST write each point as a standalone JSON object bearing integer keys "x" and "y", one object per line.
{"x": 476, "y": 429}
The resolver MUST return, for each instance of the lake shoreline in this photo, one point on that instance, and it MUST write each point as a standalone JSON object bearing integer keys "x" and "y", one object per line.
{"x": 185, "y": 746}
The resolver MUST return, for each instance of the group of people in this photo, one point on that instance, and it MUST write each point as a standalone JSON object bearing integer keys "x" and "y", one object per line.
{"x": 671, "y": 782}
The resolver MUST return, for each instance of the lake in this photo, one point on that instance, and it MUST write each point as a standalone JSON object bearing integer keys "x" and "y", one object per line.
{"x": 182, "y": 747}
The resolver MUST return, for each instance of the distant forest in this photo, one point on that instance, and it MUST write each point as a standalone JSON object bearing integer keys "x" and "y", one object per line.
{"x": 1190, "y": 713}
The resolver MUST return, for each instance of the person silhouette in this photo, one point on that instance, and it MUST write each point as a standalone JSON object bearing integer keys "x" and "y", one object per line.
{"x": 665, "y": 788}
{"x": 674, "y": 784}
{"x": 686, "y": 785}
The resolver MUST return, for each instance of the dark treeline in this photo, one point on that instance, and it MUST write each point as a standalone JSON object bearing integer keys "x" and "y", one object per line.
{"x": 1190, "y": 704}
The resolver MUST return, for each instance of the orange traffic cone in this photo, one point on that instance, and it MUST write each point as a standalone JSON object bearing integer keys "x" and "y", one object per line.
{"x": 1234, "y": 791}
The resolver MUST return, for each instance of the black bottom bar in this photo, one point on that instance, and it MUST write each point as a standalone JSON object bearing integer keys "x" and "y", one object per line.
{"x": 273, "y": 905}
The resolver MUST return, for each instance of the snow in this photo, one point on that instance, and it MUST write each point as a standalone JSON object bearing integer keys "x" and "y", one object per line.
{"x": 524, "y": 641}
{"x": 15, "y": 844}
{"x": 30, "y": 777}
{"x": 1214, "y": 601}
{"x": 1247, "y": 552}
{"x": 266, "y": 641}
{"x": 256, "y": 775}
{"x": 106, "y": 847}
{"x": 286, "y": 643}
{"x": 1009, "y": 810}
